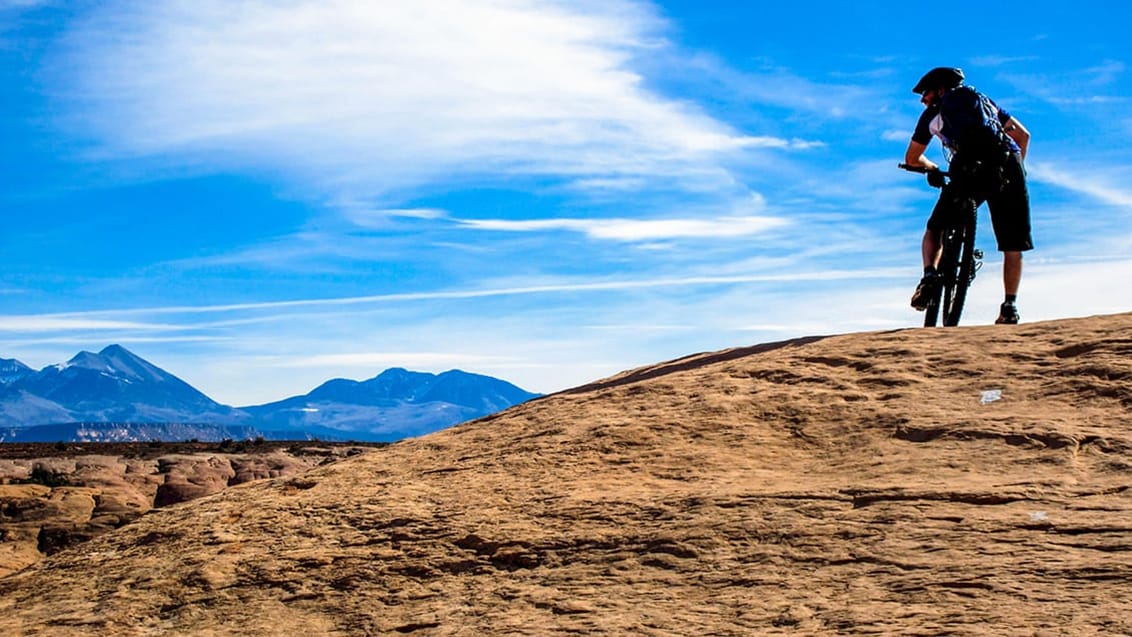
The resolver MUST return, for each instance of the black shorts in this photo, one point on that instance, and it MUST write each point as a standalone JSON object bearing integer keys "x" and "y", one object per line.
{"x": 1009, "y": 205}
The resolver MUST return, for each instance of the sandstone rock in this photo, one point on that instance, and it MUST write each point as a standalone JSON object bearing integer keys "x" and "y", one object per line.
{"x": 273, "y": 465}
{"x": 111, "y": 491}
{"x": 190, "y": 477}
{"x": 851, "y": 485}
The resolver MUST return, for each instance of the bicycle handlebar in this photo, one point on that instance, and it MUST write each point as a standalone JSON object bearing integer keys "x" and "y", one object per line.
{"x": 921, "y": 169}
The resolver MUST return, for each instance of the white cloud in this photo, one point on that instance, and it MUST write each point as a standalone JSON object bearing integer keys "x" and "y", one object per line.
{"x": 1076, "y": 288}
{"x": 537, "y": 288}
{"x": 47, "y": 323}
{"x": 367, "y": 217}
{"x": 98, "y": 342}
{"x": 378, "y": 360}
{"x": 1096, "y": 185}
{"x": 1001, "y": 60}
{"x": 1106, "y": 72}
{"x": 630, "y": 230}
{"x": 366, "y": 98}
{"x": 782, "y": 88}
{"x": 1087, "y": 100}
{"x": 1093, "y": 91}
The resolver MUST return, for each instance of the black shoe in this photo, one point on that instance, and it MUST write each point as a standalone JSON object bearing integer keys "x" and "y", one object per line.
{"x": 925, "y": 292}
{"x": 1007, "y": 314}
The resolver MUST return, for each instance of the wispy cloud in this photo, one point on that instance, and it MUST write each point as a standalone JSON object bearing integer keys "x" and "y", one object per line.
{"x": 1085, "y": 100}
{"x": 363, "y": 99}
{"x": 380, "y": 360}
{"x": 49, "y": 323}
{"x": 785, "y": 89}
{"x": 1098, "y": 186}
{"x": 1093, "y": 86}
{"x": 78, "y": 339}
{"x": 1106, "y": 72}
{"x": 630, "y": 230}
{"x": 32, "y": 323}
{"x": 1001, "y": 60}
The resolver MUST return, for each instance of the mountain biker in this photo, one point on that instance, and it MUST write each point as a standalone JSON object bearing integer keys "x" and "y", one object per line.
{"x": 990, "y": 172}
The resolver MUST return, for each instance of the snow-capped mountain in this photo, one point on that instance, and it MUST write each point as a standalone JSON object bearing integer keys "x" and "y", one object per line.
{"x": 117, "y": 385}
{"x": 395, "y": 404}
{"x": 107, "y": 394}
{"x": 12, "y": 370}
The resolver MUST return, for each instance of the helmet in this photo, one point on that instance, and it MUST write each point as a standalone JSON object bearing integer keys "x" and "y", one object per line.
{"x": 939, "y": 77}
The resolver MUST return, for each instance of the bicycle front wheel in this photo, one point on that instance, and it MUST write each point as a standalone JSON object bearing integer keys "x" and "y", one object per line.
{"x": 931, "y": 312}
{"x": 960, "y": 272}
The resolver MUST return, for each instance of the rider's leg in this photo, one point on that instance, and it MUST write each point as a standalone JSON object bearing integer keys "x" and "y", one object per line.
{"x": 1011, "y": 272}
{"x": 945, "y": 209}
{"x": 1010, "y": 215}
{"x": 930, "y": 248}
{"x": 1011, "y": 277}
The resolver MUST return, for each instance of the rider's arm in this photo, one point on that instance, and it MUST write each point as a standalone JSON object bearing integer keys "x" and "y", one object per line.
{"x": 921, "y": 137}
{"x": 1019, "y": 134}
{"x": 914, "y": 156}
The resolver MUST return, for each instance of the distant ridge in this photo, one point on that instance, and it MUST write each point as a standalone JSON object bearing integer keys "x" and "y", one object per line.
{"x": 116, "y": 395}
{"x": 394, "y": 404}
{"x": 126, "y": 432}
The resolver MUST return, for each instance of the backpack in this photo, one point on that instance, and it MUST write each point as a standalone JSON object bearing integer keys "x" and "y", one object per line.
{"x": 980, "y": 147}
{"x": 971, "y": 126}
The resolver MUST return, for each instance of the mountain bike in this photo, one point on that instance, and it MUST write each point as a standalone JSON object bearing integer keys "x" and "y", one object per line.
{"x": 958, "y": 262}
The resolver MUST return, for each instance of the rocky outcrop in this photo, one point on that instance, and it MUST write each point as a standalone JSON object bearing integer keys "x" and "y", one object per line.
{"x": 87, "y": 495}
{"x": 952, "y": 481}
{"x": 191, "y": 477}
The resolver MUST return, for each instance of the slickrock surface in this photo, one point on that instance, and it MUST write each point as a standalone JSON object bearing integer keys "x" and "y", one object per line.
{"x": 93, "y": 493}
{"x": 857, "y": 484}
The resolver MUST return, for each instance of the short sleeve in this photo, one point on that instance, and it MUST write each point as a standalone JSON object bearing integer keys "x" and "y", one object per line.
{"x": 923, "y": 132}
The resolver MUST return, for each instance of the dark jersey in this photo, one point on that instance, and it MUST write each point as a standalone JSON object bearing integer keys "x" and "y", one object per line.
{"x": 931, "y": 123}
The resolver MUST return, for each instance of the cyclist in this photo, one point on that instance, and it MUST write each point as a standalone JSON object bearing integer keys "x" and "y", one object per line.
{"x": 990, "y": 172}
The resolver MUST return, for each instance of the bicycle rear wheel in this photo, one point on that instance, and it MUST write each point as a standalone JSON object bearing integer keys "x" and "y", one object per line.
{"x": 931, "y": 312}
{"x": 959, "y": 255}
{"x": 947, "y": 274}
{"x": 956, "y": 295}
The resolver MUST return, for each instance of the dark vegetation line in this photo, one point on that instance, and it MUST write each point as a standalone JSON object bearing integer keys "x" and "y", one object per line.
{"x": 157, "y": 448}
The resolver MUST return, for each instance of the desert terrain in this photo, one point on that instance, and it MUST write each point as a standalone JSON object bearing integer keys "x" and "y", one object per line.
{"x": 968, "y": 481}
{"x": 53, "y": 496}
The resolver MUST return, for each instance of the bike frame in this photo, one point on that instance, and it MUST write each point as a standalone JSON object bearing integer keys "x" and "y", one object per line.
{"x": 958, "y": 263}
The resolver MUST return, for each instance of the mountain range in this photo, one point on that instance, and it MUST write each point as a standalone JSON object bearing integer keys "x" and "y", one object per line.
{"x": 117, "y": 395}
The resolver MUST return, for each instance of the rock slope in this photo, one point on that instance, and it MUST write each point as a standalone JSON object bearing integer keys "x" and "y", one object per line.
{"x": 49, "y": 503}
{"x": 966, "y": 481}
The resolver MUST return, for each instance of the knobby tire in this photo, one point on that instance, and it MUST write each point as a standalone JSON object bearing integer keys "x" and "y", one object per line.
{"x": 956, "y": 270}
{"x": 954, "y": 307}
{"x": 931, "y": 312}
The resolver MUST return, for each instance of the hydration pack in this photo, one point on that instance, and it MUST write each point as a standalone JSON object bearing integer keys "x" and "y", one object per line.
{"x": 980, "y": 148}
{"x": 971, "y": 125}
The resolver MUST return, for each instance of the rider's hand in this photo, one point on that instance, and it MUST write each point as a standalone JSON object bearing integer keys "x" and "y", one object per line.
{"x": 936, "y": 179}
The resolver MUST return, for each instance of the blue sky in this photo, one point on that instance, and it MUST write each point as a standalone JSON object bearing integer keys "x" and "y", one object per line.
{"x": 260, "y": 196}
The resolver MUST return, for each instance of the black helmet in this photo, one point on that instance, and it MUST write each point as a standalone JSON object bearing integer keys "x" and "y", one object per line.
{"x": 939, "y": 77}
